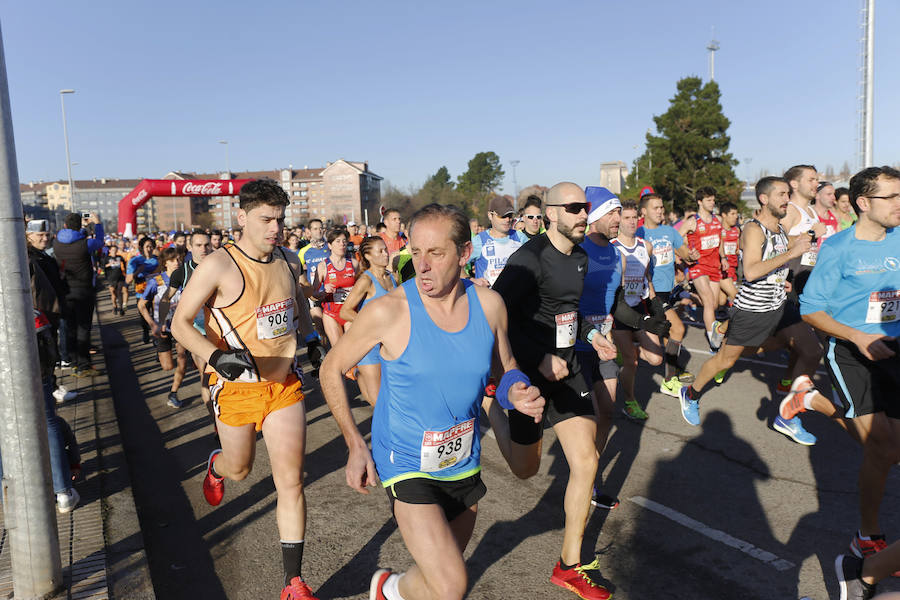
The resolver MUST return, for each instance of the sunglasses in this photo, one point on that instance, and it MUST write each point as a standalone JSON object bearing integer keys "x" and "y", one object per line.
{"x": 508, "y": 215}
{"x": 573, "y": 208}
{"x": 532, "y": 217}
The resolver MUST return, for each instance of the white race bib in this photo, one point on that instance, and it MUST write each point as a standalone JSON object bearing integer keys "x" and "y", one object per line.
{"x": 275, "y": 319}
{"x": 443, "y": 449}
{"x": 566, "y": 324}
{"x": 602, "y": 323}
{"x": 730, "y": 248}
{"x": 708, "y": 242}
{"x": 809, "y": 258}
{"x": 634, "y": 289}
{"x": 884, "y": 307}
{"x": 664, "y": 254}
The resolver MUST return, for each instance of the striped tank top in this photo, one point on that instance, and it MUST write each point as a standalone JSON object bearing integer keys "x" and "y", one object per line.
{"x": 766, "y": 293}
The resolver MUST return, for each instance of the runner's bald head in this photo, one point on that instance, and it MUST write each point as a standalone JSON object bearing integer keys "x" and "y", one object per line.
{"x": 565, "y": 192}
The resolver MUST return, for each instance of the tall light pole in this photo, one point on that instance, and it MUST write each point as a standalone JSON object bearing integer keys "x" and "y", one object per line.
{"x": 62, "y": 101}
{"x": 227, "y": 164}
{"x": 713, "y": 46}
{"x": 867, "y": 104}
{"x": 514, "y": 164}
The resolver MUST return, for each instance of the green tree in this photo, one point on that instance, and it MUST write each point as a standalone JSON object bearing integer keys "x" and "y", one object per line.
{"x": 691, "y": 150}
{"x": 483, "y": 175}
{"x": 440, "y": 179}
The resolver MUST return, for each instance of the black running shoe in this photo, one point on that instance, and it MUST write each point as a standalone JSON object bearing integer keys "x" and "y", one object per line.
{"x": 848, "y": 569}
{"x": 603, "y": 501}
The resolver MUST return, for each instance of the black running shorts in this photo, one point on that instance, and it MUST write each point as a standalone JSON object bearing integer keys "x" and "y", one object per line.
{"x": 752, "y": 329}
{"x": 570, "y": 397}
{"x": 862, "y": 386}
{"x": 454, "y": 497}
{"x": 593, "y": 369}
{"x": 163, "y": 343}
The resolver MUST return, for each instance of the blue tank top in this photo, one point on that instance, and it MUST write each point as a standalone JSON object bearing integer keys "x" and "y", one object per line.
{"x": 604, "y": 277}
{"x": 379, "y": 289}
{"x": 425, "y": 422}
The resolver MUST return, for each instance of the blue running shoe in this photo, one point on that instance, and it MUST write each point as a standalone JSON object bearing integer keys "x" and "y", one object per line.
{"x": 794, "y": 430}
{"x": 690, "y": 409}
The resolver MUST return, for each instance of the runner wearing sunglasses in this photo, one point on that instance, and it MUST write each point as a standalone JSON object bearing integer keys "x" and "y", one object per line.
{"x": 493, "y": 247}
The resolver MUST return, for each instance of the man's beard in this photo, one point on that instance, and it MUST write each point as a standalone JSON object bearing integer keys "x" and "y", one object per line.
{"x": 569, "y": 232}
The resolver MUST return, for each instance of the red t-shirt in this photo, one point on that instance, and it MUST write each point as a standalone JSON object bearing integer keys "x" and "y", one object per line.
{"x": 394, "y": 245}
{"x": 730, "y": 239}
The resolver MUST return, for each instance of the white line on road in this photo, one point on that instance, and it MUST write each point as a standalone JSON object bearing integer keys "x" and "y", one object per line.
{"x": 720, "y": 536}
{"x": 753, "y": 360}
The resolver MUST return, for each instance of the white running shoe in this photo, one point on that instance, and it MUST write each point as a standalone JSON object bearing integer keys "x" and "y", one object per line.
{"x": 63, "y": 395}
{"x": 66, "y": 501}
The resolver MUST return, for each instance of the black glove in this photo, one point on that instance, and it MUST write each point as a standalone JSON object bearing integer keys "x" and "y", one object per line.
{"x": 315, "y": 353}
{"x": 231, "y": 363}
{"x": 658, "y": 325}
{"x": 657, "y": 308}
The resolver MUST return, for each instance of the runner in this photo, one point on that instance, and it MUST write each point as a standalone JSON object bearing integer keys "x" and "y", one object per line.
{"x": 114, "y": 272}
{"x": 801, "y": 218}
{"x": 542, "y": 285}
{"x": 703, "y": 232}
{"x": 825, "y": 207}
{"x": 310, "y": 257}
{"x": 160, "y": 324}
{"x": 531, "y": 215}
{"x": 139, "y": 269}
{"x": 252, "y": 294}
{"x": 730, "y": 247}
{"x": 667, "y": 243}
{"x": 634, "y": 342}
{"x": 333, "y": 280}
{"x": 215, "y": 239}
{"x": 377, "y": 282}
{"x": 354, "y": 240}
{"x": 199, "y": 245}
{"x": 853, "y": 296}
{"x": 845, "y": 213}
{"x": 427, "y": 453}
{"x": 760, "y": 307}
{"x": 391, "y": 235}
{"x": 492, "y": 248}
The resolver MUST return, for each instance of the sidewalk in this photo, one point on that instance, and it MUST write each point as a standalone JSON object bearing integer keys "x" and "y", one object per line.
{"x": 101, "y": 545}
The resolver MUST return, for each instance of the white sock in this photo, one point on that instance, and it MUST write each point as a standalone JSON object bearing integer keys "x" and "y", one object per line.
{"x": 807, "y": 399}
{"x": 391, "y": 587}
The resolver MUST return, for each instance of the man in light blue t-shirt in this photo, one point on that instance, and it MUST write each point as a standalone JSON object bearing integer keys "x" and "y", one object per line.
{"x": 853, "y": 296}
{"x": 493, "y": 247}
{"x": 667, "y": 243}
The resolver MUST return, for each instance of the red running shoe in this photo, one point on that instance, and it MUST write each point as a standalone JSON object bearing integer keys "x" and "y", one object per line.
{"x": 792, "y": 405}
{"x": 376, "y": 588}
{"x": 577, "y": 580}
{"x": 214, "y": 487}
{"x": 863, "y": 548}
{"x": 297, "y": 590}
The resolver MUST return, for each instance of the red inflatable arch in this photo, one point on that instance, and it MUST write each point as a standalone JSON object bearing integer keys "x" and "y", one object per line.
{"x": 148, "y": 188}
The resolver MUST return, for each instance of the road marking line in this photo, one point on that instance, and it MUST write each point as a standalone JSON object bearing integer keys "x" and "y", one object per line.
{"x": 753, "y": 360}
{"x": 720, "y": 536}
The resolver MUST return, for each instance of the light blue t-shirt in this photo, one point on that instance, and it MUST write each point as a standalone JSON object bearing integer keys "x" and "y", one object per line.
{"x": 604, "y": 277}
{"x": 665, "y": 240}
{"x": 490, "y": 254}
{"x": 857, "y": 282}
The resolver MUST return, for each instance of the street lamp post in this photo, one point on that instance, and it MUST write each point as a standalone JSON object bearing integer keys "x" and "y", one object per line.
{"x": 227, "y": 164}
{"x": 514, "y": 164}
{"x": 62, "y": 101}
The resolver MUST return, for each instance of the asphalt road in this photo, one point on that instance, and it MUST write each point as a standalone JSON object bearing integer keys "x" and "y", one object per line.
{"x": 727, "y": 510}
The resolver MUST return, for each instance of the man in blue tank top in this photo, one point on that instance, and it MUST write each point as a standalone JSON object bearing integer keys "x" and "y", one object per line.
{"x": 493, "y": 247}
{"x": 438, "y": 335}
{"x": 853, "y": 296}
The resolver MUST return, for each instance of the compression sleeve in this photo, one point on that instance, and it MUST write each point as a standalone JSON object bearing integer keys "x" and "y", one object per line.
{"x": 519, "y": 279}
{"x": 624, "y": 313}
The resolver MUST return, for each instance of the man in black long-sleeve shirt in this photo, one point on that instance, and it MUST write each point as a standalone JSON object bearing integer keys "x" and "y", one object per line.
{"x": 541, "y": 286}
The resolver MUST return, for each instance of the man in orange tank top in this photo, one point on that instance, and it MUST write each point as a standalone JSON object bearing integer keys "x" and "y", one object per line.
{"x": 252, "y": 296}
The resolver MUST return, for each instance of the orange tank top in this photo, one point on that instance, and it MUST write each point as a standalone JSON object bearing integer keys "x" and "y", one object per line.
{"x": 263, "y": 318}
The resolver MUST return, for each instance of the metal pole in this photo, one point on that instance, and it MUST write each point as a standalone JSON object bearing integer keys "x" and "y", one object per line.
{"x": 29, "y": 511}
{"x": 514, "y": 164}
{"x": 62, "y": 101}
{"x": 868, "y": 158}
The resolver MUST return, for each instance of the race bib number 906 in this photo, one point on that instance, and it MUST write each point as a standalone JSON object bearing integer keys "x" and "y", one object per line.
{"x": 443, "y": 449}
{"x": 275, "y": 319}
{"x": 884, "y": 307}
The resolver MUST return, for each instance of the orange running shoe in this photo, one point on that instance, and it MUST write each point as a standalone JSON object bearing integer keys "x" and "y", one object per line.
{"x": 297, "y": 590}
{"x": 578, "y": 581}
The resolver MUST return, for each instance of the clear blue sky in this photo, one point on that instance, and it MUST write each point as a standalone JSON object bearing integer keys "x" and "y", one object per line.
{"x": 410, "y": 86}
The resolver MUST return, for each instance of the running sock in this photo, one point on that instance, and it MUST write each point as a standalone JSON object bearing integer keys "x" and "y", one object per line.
{"x": 673, "y": 349}
{"x": 391, "y": 587}
{"x": 564, "y": 566}
{"x": 693, "y": 393}
{"x": 291, "y": 557}
{"x": 807, "y": 399}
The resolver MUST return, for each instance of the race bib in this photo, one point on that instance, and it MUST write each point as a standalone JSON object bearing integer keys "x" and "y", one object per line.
{"x": 602, "y": 323}
{"x": 634, "y": 289}
{"x": 708, "y": 242}
{"x": 664, "y": 254}
{"x": 566, "y": 324}
{"x": 884, "y": 307}
{"x": 443, "y": 449}
{"x": 730, "y": 248}
{"x": 809, "y": 258}
{"x": 340, "y": 294}
{"x": 275, "y": 319}
{"x": 778, "y": 277}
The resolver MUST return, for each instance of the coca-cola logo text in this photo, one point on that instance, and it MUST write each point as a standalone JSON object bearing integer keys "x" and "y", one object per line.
{"x": 137, "y": 200}
{"x": 209, "y": 188}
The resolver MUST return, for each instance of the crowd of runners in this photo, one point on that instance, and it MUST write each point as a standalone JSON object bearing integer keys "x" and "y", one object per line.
{"x": 540, "y": 318}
